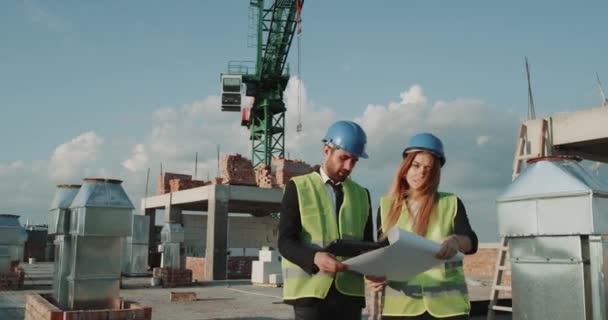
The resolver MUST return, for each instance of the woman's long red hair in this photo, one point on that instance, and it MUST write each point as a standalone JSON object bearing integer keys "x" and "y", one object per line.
{"x": 399, "y": 191}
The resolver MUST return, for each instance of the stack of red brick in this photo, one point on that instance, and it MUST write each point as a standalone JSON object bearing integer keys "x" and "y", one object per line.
{"x": 13, "y": 279}
{"x": 183, "y": 184}
{"x": 40, "y": 307}
{"x": 238, "y": 170}
{"x": 239, "y": 267}
{"x": 285, "y": 169}
{"x": 172, "y": 182}
{"x": 164, "y": 185}
{"x": 264, "y": 178}
{"x": 197, "y": 265}
{"x": 171, "y": 277}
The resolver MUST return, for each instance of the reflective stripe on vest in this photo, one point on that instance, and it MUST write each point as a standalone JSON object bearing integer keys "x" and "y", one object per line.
{"x": 440, "y": 291}
{"x": 319, "y": 228}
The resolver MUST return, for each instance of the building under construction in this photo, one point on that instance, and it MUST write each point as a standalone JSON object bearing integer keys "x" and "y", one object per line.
{"x": 212, "y": 254}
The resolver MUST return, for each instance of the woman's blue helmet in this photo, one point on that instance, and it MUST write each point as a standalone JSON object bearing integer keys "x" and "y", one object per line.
{"x": 347, "y": 136}
{"x": 427, "y": 142}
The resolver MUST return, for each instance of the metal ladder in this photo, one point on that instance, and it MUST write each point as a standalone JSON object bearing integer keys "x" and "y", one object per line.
{"x": 527, "y": 147}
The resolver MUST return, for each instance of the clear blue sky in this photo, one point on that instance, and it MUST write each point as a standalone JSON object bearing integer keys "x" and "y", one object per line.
{"x": 69, "y": 67}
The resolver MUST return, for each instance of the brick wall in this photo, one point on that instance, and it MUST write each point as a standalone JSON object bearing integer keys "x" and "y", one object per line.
{"x": 482, "y": 265}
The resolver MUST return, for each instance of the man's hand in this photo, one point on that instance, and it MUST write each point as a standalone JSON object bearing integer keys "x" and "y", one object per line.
{"x": 375, "y": 284}
{"x": 327, "y": 263}
{"x": 449, "y": 248}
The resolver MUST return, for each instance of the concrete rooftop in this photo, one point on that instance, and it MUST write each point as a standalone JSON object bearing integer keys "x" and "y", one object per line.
{"x": 227, "y": 299}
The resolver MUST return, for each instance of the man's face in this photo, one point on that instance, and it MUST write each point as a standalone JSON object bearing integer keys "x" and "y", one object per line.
{"x": 338, "y": 164}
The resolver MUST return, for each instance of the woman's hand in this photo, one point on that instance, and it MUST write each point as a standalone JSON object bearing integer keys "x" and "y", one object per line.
{"x": 449, "y": 248}
{"x": 375, "y": 284}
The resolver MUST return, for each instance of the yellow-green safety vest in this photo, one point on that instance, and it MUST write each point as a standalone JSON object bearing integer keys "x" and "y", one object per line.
{"x": 440, "y": 291}
{"x": 319, "y": 228}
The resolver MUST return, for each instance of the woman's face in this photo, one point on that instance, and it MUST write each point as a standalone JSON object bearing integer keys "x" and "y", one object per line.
{"x": 418, "y": 174}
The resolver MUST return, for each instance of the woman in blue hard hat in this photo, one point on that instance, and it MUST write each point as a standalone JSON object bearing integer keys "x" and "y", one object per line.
{"x": 415, "y": 204}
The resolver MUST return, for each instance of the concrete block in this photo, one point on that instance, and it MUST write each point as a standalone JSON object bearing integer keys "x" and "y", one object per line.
{"x": 260, "y": 270}
{"x": 269, "y": 256}
{"x": 275, "y": 278}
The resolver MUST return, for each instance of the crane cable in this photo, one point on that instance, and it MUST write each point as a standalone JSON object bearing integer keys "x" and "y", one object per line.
{"x": 299, "y": 35}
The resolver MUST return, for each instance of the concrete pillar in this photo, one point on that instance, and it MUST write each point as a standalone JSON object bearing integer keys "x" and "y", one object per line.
{"x": 173, "y": 214}
{"x": 217, "y": 233}
{"x": 152, "y": 245}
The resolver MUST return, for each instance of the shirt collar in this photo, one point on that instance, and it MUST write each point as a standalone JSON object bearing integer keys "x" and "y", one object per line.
{"x": 326, "y": 178}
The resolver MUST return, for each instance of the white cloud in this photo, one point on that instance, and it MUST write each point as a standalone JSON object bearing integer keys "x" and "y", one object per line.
{"x": 40, "y": 15}
{"x": 315, "y": 120}
{"x": 138, "y": 160}
{"x": 11, "y": 168}
{"x": 71, "y": 159}
{"x": 476, "y": 174}
{"x": 470, "y": 171}
{"x": 413, "y": 96}
{"x": 481, "y": 140}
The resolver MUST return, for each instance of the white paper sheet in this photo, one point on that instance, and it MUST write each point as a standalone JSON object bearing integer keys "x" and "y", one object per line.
{"x": 406, "y": 256}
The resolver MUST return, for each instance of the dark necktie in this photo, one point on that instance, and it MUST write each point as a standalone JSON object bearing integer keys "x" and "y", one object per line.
{"x": 339, "y": 195}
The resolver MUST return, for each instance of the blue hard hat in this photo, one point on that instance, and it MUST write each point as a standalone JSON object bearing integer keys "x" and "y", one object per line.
{"x": 427, "y": 142}
{"x": 347, "y": 136}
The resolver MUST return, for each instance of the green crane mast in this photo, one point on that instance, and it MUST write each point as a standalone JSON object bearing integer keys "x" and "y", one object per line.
{"x": 275, "y": 28}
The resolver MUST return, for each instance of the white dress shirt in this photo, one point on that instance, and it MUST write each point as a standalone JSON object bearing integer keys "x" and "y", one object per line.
{"x": 330, "y": 190}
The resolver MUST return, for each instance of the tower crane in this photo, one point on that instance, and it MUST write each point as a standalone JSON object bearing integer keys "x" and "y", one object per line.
{"x": 264, "y": 79}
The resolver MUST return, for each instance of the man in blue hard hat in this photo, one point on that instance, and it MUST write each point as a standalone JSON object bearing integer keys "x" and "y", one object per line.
{"x": 318, "y": 208}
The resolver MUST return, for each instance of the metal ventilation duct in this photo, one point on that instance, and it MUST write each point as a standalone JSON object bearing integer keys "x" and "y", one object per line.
{"x": 555, "y": 215}
{"x": 59, "y": 210}
{"x": 12, "y": 239}
{"x": 554, "y": 196}
{"x": 135, "y": 247}
{"x": 100, "y": 218}
{"x": 59, "y": 224}
{"x": 171, "y": 236}
{"x": 101, "y": 208}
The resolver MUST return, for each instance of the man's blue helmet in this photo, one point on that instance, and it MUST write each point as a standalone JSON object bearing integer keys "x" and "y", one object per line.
{"x": 427, "y": 142}
{"x": 347, "y": 136}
